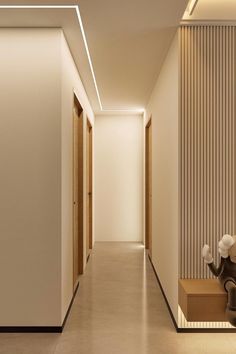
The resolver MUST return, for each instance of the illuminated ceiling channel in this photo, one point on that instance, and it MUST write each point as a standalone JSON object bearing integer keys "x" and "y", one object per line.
{"x": 76, "y": 8}
{"x": 191, "y": 6}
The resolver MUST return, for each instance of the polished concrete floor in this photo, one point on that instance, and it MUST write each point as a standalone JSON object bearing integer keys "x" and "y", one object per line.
{"x": 119, "y": 309}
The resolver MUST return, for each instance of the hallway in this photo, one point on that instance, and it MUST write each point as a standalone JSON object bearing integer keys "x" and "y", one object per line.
{"x": 119, "y": 309}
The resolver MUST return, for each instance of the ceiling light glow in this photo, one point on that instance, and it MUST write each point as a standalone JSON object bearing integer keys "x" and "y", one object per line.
{"x": 136, "y": 110}
{"x": 88, "y": 55}
{"x": 192, "y": 6}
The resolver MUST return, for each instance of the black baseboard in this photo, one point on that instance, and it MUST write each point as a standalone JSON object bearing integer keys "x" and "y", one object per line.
{"x": 187, "y": 330}
{"x": 164, "y": 295}
{"x": 40, "y": 329}
{"x": 69, "y": 308}
{"x": 206, "y": 330}
{"x": 31, "y": 329}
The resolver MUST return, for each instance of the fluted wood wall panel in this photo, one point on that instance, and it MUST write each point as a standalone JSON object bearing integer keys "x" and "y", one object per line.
{"x": 207, "y": 136}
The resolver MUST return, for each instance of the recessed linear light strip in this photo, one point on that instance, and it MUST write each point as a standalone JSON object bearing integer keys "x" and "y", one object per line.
{"x": 192, "y": 6}
{"x": 138, "y": 110}
{"x": 88, "y": 55}
{"x": 76, "y": 8}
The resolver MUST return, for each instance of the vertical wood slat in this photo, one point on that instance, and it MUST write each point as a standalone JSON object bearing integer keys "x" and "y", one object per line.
{"x": 208, "y": 151}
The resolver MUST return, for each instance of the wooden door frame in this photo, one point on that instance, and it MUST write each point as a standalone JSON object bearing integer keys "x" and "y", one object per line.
{"x": 148, "y": 161}
{"x": 77, "y": 109}
{"x": 90, "y": 127}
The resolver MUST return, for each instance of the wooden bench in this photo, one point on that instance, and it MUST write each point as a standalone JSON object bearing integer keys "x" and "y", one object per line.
{"x": 202, "y": 300}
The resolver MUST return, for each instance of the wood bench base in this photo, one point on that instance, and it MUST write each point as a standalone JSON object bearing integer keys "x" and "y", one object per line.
{"x": 202, "y": 300}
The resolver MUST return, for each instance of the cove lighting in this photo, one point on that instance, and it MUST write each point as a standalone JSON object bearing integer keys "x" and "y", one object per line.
{"x": 88, "y": 55}
{"x": 76, "y": 8}
{"x": 192, "y": 6}
{"x": 136, "y": 110}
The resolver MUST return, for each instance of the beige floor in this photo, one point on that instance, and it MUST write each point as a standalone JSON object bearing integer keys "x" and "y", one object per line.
{"x": 118, "y": 309}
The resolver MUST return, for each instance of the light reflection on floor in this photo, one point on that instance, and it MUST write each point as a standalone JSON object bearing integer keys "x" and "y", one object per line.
{"x": 119, "y": 309}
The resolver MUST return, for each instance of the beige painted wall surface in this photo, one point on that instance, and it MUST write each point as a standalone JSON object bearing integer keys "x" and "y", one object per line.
{"x": 163, "y": 106}
{"x": 30, "y": 177}
{"x": 38, "y": 79}
{"x": 70, "y": 83}
{"x": 118, "y": 178}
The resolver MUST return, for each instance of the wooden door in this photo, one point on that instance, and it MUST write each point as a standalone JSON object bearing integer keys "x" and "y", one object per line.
{"x": 89, "y": 173}
{"x": 77, "y": 194}
{"x": 148, "y": 188}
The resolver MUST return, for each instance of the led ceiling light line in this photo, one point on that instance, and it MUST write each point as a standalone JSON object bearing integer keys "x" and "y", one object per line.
{"x": 136, "y": 110}
{"x": 88, "y": 55}
{"x": 76, "y": 8}
{"x": 192, "y": 6}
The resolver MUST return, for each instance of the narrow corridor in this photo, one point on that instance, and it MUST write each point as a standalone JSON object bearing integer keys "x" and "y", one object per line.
{"x": 118, "y": 309}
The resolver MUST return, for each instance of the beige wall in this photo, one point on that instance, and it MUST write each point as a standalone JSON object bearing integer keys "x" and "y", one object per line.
{"x": 70, "y": 83}
{"x": 163, "y": 106}
{"x": 30, "y": 177}
{"x": 118, "y": 178}
{"x": 38, "y": 78}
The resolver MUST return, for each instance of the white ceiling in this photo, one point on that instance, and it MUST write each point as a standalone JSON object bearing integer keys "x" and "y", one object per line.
{"x": 128, "y": 41}
{"x": 217, "y": 10}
